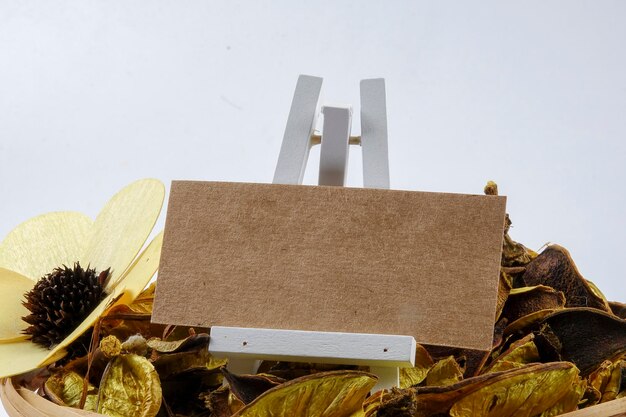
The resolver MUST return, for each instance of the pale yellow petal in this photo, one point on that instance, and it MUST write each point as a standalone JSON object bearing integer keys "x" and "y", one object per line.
{"x": 13, "y": 286}
{"x": 131, "y": 285}
{"x": 23, "y": 356}
{"x": 141, "y": 271}
{"x": 123, "y": 225}
{"x": 45, "y": 242}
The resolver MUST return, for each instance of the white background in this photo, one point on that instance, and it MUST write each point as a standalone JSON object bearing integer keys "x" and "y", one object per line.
{"x": 95, "y": 94}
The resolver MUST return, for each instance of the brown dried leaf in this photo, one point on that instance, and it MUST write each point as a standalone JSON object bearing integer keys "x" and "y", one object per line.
{"x": 66, "y": 388}
{"x": 526, "y": 300}
{"x": 248, "y": 387}
{"x": 505, "y": 283}
{"x": 555, "y": 268}
{"x": 175, "y": 363}
{"x": 619, "y": 309}
{"x": 130, "y": 387}
{"x": 221, "y": 402}
{"x": 325, "y": 394}
{"x": 584, "y": 336}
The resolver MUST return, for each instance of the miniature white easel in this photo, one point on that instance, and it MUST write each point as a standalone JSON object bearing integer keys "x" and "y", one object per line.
{"x": 384, "y": 354}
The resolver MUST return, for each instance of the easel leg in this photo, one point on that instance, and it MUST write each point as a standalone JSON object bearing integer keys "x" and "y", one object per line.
{"x": 243, "y": 366}
{"x": 388, "y": 377}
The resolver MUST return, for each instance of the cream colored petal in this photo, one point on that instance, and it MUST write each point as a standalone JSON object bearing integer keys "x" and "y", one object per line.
{"x": 130, "y": 285}
{"x": 45, "y": 242}
{"x": 13, "y": 286}
{"x": 23, "y": 356}
{"x": 141, "y": 271}
{"x": 123, "y": 225}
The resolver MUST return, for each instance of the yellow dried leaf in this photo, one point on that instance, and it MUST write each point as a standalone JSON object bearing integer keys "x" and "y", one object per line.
{"x": 445, "y": 372}
{"x": 416, "y": 374}
{"x": 522, "y": 351}
{"x": 569, "y": 402}
{"x": 614, "y": 381}
{"x": 130, "y": 386}
{"x": 523, "y": 394}
{"x": 325, "y": 394}
{"x": 66, "y": 388}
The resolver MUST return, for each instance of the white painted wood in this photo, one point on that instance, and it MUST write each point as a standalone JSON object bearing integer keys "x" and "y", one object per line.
{"x": 307, "y": 346}
{"x": 387, "y": 377}
{"x": 294, "y": 151}
{"x": 335, "y": 144}
{"x": 243, "y": 365}
{"x": 374, "y": 134}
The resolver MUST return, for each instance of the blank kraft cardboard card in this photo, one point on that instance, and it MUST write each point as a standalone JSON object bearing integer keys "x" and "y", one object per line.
{"x": 332, "y": 259}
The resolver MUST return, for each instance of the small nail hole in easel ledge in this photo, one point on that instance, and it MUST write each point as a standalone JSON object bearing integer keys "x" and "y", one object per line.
{"x": 245, "y": 343}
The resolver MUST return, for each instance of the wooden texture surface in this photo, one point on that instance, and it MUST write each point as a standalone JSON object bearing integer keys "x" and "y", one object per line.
{"x": 332, "y": 259}
{"x": 615, "y": 408}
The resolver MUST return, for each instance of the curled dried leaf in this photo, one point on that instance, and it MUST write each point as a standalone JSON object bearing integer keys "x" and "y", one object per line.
{"x": 520, "y": 352}
{"x": 527, "y": 300}
{"x": 584, "y": 336}
{"x": 325, "y": 394}
{"x": 619, "y": 309}
{"x": 66, "y": 388}
{"x": 555, "y": 268}
{"x": 130, "y": 386}
{"x": 248, "y": 387}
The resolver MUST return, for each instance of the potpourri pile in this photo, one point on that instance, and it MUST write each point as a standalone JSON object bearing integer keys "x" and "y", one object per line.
{"x": 558, "y": 346}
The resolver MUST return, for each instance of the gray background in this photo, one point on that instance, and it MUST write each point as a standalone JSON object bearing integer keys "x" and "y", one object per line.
{"x": 95, "y": 94}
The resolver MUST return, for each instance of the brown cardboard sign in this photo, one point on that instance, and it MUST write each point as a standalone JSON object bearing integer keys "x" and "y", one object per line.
{"x": 332, "y": 259}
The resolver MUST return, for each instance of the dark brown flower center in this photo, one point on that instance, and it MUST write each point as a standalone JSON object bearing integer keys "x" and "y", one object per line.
{"x": 60, "y": 301}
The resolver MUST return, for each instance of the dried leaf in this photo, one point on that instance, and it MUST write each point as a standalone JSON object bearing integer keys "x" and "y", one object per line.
{"x": 175, "y": 363}
{"x": 445, "y": 372}
{"x": 584, "y": 336}
{"x": 248, "y": 387}
{"x": 192, "y": 342}
{"x": 130, "y": 387}
{"x": 66, "y": 388}
{"x": 416, "y": 374}
{"x": 556, "y": 268}
{"x": 526, "y": 300}
{"x": 619, "y": 309}
{"x": 505, "y": 284}
{"x": 531, "y": 391}
{"x": 437, "y": 401}
{"x": 221, "y": 402}
{"x": 520, "y": 352}
{"x": 325, "y": 394}
{"x": 569, "y": 402}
